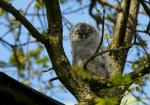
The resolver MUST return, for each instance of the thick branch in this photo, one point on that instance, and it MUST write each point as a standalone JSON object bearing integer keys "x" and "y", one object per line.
{"x": 54, "y": 45}
{"x": 123, "y": 35}
{"x": 54, "y": 17}
{"x": 9, "y": 8}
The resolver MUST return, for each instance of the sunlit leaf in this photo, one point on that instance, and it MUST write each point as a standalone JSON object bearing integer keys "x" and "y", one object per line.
{"x": 77, "y": 71}
{"x": 106, "y": 101}
{"x": 140, "y": 64}
{"x": 105, "y": 37}
{"x": 42, "y": 60}
{"x": 35, "y": 53}
{"x": 139, "y": 81}
{"x": 120, "y": 79}
{"x": 38, "y": 4}
{"x": 14, "y": 22}
{"x": 17, "y": 58}
{"x": 1, "y": 12}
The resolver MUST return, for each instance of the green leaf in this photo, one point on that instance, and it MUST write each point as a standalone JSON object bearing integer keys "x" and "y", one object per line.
{"x": 35, "y": 53}
{"x": 139, "y": 81}
{"x": 42, "y": 61}
{"x": 78, "y": 71}
{"x": 17, "y": 58}
{"x": 126, "y": 79}
{"x": 107, "y": 101}
{"x": 120, "y": 79}
{"x": 105, "y": 37}
{"x": 14, "y": 22}
{"x": 117, "y": 79}
{"x": 140, "y": 64}
{"x": 38, "y": 4}
{"x": 1, "y": 12}
{"x": 19, "y": 53}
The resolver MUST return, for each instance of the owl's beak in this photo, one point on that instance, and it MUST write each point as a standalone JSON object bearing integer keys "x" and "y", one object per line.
{"x": 84, "y": 36}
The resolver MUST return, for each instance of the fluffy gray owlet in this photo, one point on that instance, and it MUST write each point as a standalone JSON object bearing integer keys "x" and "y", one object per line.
{"x": 85, "y": 40}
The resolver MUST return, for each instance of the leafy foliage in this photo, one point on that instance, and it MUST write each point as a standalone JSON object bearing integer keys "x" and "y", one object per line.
{"x": 120, "y": 79}
{"x": 17, "y": 58}
{"x": 1, "y": 12}
{"x": 77, "y": 72}
{"x": 35, "y": 53}
{"x": 38, "y": 4}
{"x": 139, "y": 81}
{"x": 106, "y": 101}
{"x": 141, "y": 63}
{"x": 14, "y": 22}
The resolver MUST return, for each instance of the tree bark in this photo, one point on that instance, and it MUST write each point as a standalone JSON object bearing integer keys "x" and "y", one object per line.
{"x": 123, "y": 34}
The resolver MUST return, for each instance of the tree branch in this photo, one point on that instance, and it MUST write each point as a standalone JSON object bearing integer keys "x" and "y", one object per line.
{"x": 117, "y": 7}
{"x": 53, "y": 79}
{"x": 54, "y": 45}
{"x": 98, "y": 19}
{"x": 9, "y": 8}
{"x": 104, "y": 2}
{"x": 123, "y": 35}
{"x": 135, "y": 74}
{"x": 54, "y": 17}
{"x": 146, "y": 8}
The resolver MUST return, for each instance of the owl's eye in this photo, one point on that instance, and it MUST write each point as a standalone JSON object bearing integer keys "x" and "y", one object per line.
{"x": 90, "y": 31}
{"x": 77, "y": 32}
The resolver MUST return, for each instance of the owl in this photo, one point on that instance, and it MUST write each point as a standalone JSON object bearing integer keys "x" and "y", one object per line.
{"x": 84, "y": 42}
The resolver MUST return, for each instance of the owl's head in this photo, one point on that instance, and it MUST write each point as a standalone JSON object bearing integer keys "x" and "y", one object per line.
{"x": 82, "y": 31}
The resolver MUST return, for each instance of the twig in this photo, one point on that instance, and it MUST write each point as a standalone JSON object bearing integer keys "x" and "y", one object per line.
{"x": 9, "y": 8}
{"x": 53, "y": 79}
{"x": 146, "y": 8}
{"x": 76, "y": 10}
{"x": 116, "y": 49}
{"x": 141, "y": 40}
{"x": 98, "y": 19}
{"x": 106, "y": 51}
{"x": 148, "y": 28}
{"x": 50, "y": 69}
{"x": 104, "y": 2}
{"x": 26, "y": 43}
{"x": 103, "y": 28}
{"x": 7, "y": 43}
